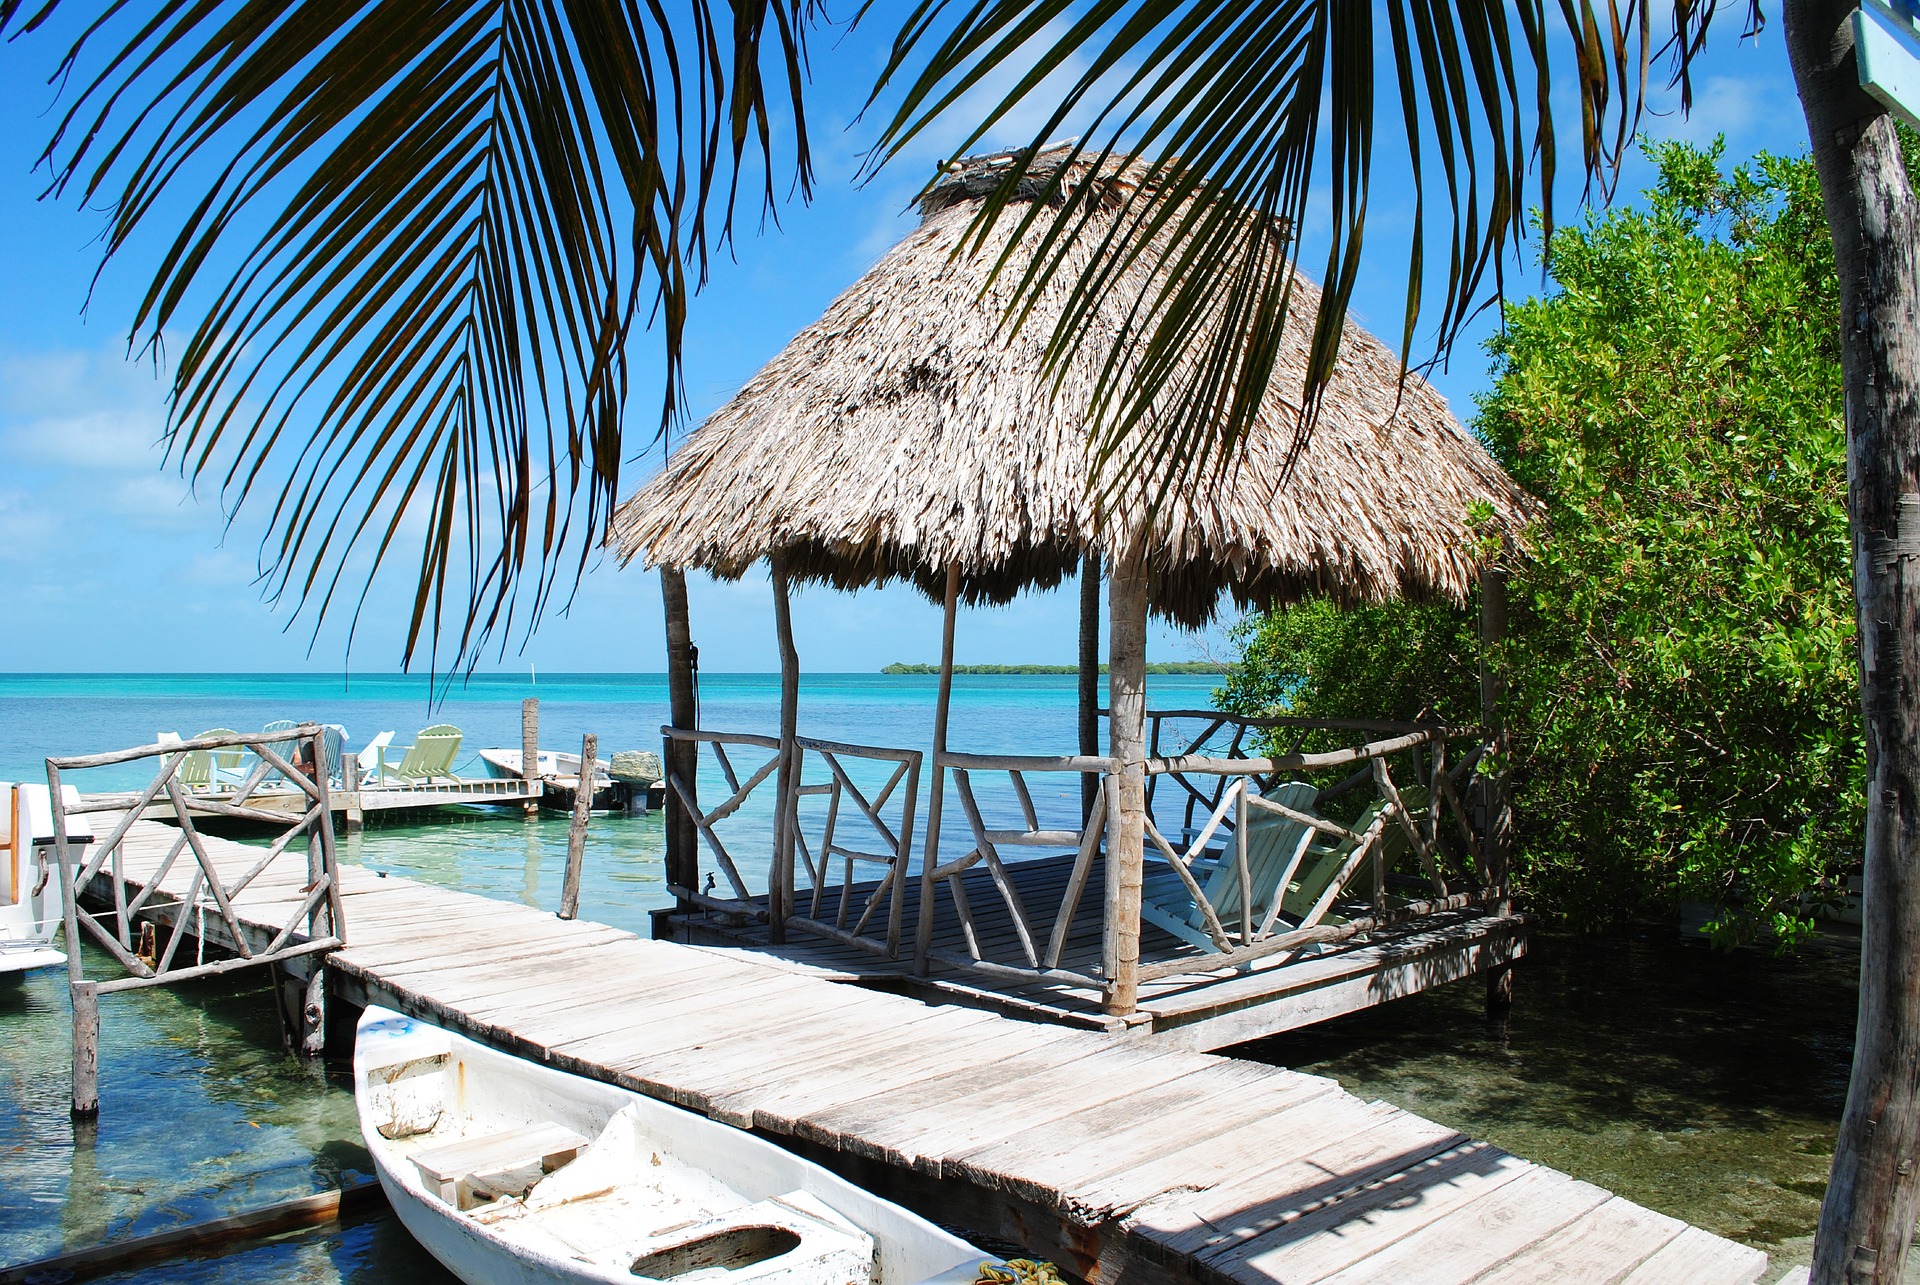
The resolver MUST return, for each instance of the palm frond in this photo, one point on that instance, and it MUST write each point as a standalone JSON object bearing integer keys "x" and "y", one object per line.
{"x": 1261, "y": 114}
{"x": 407, "y": 242}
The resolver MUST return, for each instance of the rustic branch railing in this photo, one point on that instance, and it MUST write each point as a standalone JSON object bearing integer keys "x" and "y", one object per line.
{"x": 705, "y": 823}
{"x": 1229, "y": 927}
{"x": 318, "y": 915}
{"x": 895, "y": 839}
{"x": 1352, "y": 813}
{"x": 1041, "y": 957}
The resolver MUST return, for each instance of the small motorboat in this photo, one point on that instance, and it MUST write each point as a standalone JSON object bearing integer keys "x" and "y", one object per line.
{"x": 509, "y": 1172}
{"x": 31, "y": 909}
{"x": 504, "y": 765}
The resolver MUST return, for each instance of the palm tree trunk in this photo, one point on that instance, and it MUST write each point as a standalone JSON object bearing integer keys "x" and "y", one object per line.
{"x": 682, "y": 757}
{"x": 1089, "y": 676}
{"x": 1872, "y": 1195}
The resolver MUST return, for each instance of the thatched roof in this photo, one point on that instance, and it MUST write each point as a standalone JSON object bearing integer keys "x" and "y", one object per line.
{"x": 906, "y": 429}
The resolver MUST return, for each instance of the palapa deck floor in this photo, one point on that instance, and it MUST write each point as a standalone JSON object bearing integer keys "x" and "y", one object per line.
{"x": 1120, "y": 1161}
{"x": 1193, "y": 1011}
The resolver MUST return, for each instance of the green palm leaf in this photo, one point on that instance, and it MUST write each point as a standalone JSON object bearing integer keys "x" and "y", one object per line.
{"x": 1264, "y": 113}
{"x": 407, "y": 242}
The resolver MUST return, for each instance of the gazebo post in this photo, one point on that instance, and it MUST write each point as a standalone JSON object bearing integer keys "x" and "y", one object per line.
{"x": 780, "y": 885}
{"x": 1127, "y": 799}
{"x": 930, "y": 852}
{"x": 682, "y": 757}
{"x": 1497, "y": 786}
{"x": 1089, "y": 676}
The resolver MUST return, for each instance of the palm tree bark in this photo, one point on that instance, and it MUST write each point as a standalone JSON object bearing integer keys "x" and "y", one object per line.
{"x": 1867, "y": 1220}
{"x": 682, "y": 757}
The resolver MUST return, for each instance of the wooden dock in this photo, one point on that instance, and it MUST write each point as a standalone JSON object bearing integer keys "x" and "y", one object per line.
{"x": 1122, "y": 1161}
{"x": 1195, "y": 1010}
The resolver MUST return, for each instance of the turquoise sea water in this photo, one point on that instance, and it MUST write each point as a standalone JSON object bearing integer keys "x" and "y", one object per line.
{"x": 1703, "y": 1085}
{"x": 202, "y": 1112}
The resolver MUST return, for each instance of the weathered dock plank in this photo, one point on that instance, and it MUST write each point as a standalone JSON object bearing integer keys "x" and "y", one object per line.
{"x": 1124, "y": 1161}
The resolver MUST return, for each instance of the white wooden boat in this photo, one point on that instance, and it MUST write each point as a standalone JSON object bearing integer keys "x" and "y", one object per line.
{"x": 31, "y": 908}
{"x": 509, "y": 1172}
{"x": 504, "y": 765}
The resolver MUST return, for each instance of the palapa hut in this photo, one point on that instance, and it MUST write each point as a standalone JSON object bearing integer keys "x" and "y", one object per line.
{"x": 907, "y": 435}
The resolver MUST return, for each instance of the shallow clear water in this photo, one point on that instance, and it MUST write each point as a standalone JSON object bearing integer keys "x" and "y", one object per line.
{"x": 1707, "y": 1086}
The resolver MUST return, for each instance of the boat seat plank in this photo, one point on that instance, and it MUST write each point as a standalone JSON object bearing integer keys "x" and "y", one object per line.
{"x": 450, "y": 1169}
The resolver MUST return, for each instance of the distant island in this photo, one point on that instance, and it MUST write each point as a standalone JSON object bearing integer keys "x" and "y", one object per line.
{"x": 1159, "y": 667}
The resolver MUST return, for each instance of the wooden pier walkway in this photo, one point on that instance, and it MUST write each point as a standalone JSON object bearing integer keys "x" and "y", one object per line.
{"x": 1121, "y": 1162}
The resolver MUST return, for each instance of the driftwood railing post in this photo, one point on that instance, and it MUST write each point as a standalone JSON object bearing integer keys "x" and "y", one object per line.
{"x": 530, "y": 749}
{"x": 936, "y": 786}
{"x": 1089, "y": 677}
{"x": 1496, "y": 785}
{"x": 780, "y": 881}
{"x": 321, "y": 867}
{"x": 577, "y": 830}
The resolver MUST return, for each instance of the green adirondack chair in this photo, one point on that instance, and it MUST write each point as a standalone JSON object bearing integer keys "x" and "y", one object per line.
{"x": 1274, "y": 846}
{"x": 209, "y": 769}
{"x": 429, "y": 758}
{"x": 1323, "y": 862}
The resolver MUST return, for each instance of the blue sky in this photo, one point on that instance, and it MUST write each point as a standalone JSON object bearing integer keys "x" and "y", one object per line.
{"x": 110, "y": 563}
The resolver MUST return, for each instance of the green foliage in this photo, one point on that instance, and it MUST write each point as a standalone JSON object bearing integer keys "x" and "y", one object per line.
{"x": 1681, "y": 642}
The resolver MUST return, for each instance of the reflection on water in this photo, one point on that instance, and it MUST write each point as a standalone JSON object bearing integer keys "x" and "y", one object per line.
{"x": 1707, "y": 1086}
{"x": 499, "y": 854}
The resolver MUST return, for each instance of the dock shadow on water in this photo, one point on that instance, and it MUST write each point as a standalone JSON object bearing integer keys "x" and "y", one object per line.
{"x": 1705, "y": 1085}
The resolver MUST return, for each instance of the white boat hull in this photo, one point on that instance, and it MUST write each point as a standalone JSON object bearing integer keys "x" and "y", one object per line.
{"x": 645, "y": 1186}
{"x": 31, "y": 908}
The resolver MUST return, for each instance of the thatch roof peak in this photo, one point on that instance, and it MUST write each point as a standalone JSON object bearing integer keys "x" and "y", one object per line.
{"x": 907, "y": 429}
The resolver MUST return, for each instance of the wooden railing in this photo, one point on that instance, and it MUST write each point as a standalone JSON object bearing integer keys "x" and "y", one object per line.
{"x": 130, "y": 932}
{"x": 1040, "y": 942}
{"x": 870, "y": 819}
{"x": 1348, "y": 808}
{"x": 707, "y": 822}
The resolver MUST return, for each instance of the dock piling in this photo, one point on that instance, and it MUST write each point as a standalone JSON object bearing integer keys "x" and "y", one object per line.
{"x": 577, "y": 831}
{"x": 86, "y": 1048}
{"x": 530, "y": 748}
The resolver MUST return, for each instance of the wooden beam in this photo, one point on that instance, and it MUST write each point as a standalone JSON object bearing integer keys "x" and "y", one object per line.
{"x": 1089, "y": 677}
{"x": 936, "y": 793}
{"x": 1496, "y": 786}
{"x": 682, "y": 757}
{"x": 577, "y": 828}
{"x": 530, "y": 747}
{"x": 785, "y": 817}
{"x": 1126, "y": 801}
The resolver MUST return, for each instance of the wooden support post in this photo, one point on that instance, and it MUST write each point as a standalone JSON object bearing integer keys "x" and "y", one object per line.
{"x": 322, "y": 920}
{"x": 86, "y": 1045}
{"x": 530, "y": 749}
{"x": 1089, "y": 677}
{"x": 1497, "y": 785}
{"x": 577, "y": 831}
{"x": 350, "y": 778}
{"x": 681, "y": 759}
{"x": 1127, "y": 798}
{"x": 936, "y": 791}
{"x": 780, "y": 882}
